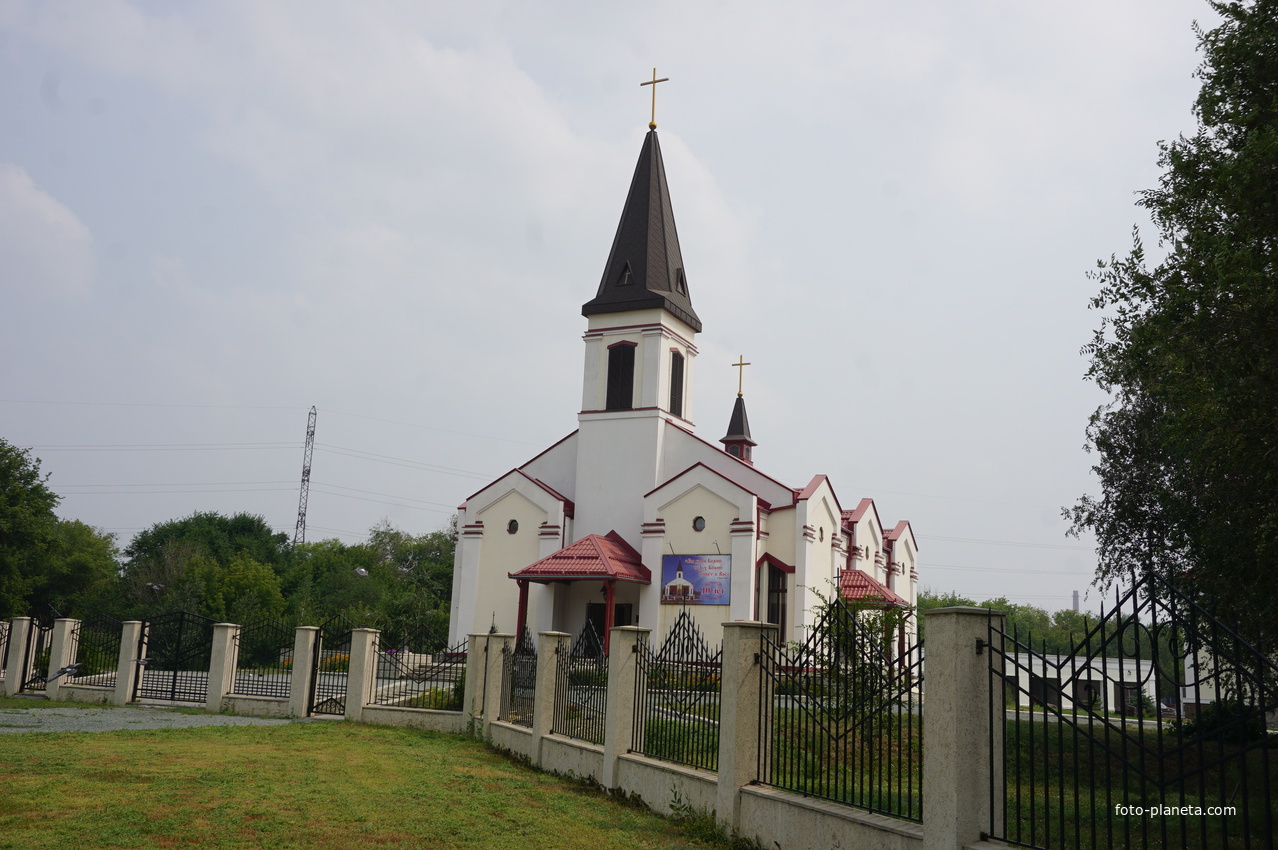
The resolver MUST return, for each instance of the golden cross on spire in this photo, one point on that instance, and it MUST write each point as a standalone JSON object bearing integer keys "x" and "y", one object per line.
{"x": 652, "y": 125}
{"x": 740, "y": 367}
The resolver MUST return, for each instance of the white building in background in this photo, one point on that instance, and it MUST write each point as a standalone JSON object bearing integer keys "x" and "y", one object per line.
{"x": 633, "y": 517}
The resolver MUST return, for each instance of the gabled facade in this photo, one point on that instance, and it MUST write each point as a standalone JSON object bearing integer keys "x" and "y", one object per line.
{"x": 633, "y": 518}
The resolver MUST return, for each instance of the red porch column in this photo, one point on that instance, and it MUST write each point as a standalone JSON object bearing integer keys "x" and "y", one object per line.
{"x": 522, "y": 620}
{"x": 610, "y": 586}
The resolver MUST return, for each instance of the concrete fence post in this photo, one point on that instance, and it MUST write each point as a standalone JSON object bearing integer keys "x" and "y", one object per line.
{"x": 960, "y": 753}
{"x": 62, "y": 648}
{"x": 549, "y": 645}
{"x": 623, "y": 693}
{"x": 361, "y": 672}
{"x": 222, "y": 663}
{"x": 15, "y": 672}
{"x": 739, "y": 717}
{"x": 476, "y": 676}
{"x": 129, "y": 669}
{"x": 498, "y": 645}
{"x": 301, "y": 678}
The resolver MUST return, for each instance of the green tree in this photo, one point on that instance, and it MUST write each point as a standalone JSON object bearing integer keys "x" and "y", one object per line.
{"x": 239, "y": 592}
{"x": 1187, "y": 450}
{"x": 27, "y": 522}
{"x": 76, "y": 573}
{"x": 188, "y": 564}
{"x": 215, "y": 536}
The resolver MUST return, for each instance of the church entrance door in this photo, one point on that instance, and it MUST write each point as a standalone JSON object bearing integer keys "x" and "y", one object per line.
{"x": 597, "y": 613}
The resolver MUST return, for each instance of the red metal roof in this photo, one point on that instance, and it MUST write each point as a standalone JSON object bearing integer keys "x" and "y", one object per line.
{"x": 859, "y": 586}
{"x": 591, "y": 557}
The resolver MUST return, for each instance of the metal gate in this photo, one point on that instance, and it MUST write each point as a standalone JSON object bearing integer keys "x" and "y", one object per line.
{"x": 174, "y": 652}
{"x": 35, "y": 661}
{"x": 332, "y": 663}
{"x": 1150, "y": 733}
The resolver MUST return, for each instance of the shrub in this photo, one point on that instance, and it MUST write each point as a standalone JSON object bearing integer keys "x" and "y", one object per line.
{"x": 1227, "y": 720}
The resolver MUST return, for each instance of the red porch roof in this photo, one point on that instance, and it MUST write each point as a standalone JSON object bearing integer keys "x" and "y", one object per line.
{"x": 591, "y": 557}
{"x": 859, "y": 586}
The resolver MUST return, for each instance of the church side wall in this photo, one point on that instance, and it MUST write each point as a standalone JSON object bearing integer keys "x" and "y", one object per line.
{"x": 504, "y": 553}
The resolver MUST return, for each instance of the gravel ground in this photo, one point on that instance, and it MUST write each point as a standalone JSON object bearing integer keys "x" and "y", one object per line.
{"x": 114, "y": 719}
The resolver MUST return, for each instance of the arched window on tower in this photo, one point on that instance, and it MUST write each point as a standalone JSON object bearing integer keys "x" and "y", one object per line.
{"x": 676, "y": 383}
{"x": 621, "y": 376}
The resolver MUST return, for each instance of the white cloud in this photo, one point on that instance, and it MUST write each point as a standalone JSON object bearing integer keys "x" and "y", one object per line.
{"x": 43, "y": 245}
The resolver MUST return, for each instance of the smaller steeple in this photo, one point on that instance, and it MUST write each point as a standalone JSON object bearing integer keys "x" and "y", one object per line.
{"x": 737, "y": 441}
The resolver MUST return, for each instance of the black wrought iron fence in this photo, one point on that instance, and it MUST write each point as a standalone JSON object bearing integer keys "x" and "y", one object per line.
{"x": 842, "y": 714}
{"x": 519, "y": 677}
{"x": 4, "y": 647}
{"x": 264, "y": 659}
{"x": 581, "y": 688}
{"x": 420, "y": 670}
{"x": 176, "y": 648}
{"x": 677, "y": 691}
{"x": 332, "y": 663}
{"x": 97, "y": 655}
{"x": 35, "y": 666}
{"x": 1151, "y": 733}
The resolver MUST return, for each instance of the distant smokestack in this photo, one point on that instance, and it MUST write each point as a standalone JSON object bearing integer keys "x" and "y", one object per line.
{"x": 1076, "y": 602}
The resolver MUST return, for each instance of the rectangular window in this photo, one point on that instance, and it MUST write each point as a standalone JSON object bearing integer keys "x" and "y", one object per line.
{"x": 676, "y": 383}
{"x": 621, "y": 377}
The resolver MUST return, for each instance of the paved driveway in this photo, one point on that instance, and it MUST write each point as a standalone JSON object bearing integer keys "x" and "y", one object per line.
{"x": 115, "y": 719}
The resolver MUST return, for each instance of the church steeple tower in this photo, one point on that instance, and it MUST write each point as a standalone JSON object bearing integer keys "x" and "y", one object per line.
{"x": 640, "y": 349}
{"x": 645, "y": 267}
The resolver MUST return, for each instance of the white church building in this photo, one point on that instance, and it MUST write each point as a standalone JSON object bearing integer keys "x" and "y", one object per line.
{"x": 633, "y": 518}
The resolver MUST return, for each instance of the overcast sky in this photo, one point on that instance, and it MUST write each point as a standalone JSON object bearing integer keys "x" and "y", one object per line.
{"x": 214, "y": 215}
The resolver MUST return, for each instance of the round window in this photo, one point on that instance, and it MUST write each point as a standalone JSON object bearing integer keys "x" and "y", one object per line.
{"x": 512, "y": 526}
{"x": 699, "y": 524}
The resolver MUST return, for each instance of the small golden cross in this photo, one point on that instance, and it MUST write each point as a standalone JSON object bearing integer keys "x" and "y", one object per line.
{"x": 652, "y": 125}
{"x": 740, "y": 367}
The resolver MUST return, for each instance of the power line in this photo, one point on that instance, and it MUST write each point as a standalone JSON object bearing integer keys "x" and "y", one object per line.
{"x": 167, "y": 492}
{"x": 393, "y": 504}
{"x": 182, "y": 484}
{"x": 359, "y": 454}
{"x": 388, "y": 495}
{"x": 432, "y": 428}
{"x": 1007, "y": 543}
{"x": 1026, "y": 571}
{"x": 150, "y": 404}
{"x": 161, "y": 447}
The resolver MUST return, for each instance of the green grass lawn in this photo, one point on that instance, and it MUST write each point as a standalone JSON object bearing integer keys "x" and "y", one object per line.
{"x": 305, "y": 785}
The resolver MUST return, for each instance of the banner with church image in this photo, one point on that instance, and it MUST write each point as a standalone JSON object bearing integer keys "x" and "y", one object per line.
{"x": 695, "y": 579}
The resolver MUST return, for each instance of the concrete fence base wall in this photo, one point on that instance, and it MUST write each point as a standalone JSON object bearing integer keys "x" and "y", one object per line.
{"x": 255, "y": 706}
{"x": 86, "y": 693}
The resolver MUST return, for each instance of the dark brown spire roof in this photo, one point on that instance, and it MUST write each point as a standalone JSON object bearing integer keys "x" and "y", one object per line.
{"x": 645, "y": 266}
{"x": 738, "y": 425}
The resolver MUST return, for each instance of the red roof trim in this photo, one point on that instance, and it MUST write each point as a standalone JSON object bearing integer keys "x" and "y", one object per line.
{"x": 900, "y": 529}
{"x": 546, "y": 451}
{"x": 701, "y": 464}
{"x": 781, "y": 565}
{"x": 858, "y": 513}
{"x": 569, "y": 507}
{"x": 722, "y": 453}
